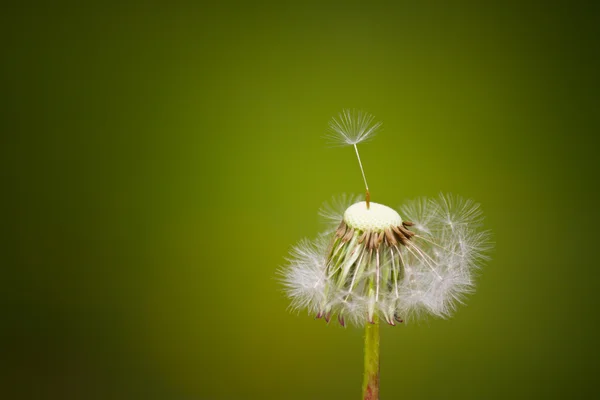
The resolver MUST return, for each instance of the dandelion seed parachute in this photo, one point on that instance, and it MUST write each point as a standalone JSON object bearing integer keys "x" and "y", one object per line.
{"x": 352, "y": 127}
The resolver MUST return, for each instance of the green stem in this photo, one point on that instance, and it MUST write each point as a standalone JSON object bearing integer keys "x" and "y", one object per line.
{"x": 371, "y": 379}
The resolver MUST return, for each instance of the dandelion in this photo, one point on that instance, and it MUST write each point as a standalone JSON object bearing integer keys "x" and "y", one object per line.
{"x": 377, "y": 263}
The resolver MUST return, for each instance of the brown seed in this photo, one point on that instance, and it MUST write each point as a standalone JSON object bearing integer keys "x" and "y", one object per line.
{"x": 390, "y": 237}
{"x": 373, "y": 243}
{"x": 380, "y": 237}
{"x": 367, "y": 239}
{"x": 341, "y": 230}
{"x": 362, "y": 237}
{"x": 406, "y": 232}
{"x": 401, "y": 237}
{"x": 349, "y": 234}
{"x": 407, "y": 223}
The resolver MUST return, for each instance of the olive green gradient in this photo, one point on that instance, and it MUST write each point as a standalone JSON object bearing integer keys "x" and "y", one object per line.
{"x": 159, "y": 161}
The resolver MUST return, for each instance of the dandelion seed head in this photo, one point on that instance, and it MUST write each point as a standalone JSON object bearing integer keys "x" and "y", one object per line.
{"x": 370, "y": 262}
{"x": 375, "y": 263}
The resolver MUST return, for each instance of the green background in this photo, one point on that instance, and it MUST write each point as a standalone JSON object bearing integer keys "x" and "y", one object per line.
{"x": 159, "y": 161}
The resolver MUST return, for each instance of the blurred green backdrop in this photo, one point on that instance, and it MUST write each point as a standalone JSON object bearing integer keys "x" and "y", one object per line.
{"x": 158, "y": 162}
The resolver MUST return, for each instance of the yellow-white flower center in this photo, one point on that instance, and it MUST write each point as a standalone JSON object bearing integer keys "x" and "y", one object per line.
{"x": 375, "y": 218}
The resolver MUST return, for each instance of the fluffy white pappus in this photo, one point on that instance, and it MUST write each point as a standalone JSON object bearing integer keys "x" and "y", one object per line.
{"x": 351, "y": 127}
{"x": 455, "y": 212}
{"x": 304, "y": 277}
{"x": 332, "y": 212}
{"x": 448, "y": 248}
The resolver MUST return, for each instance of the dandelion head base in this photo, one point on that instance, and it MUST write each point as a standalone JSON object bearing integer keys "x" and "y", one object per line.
{"x": 371, "y": 217}
{"x": 371, "y": 228}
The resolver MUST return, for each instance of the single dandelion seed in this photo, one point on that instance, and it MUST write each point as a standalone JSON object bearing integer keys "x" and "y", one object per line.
{"x": 352, "y": 127}
{"x": 377, "y": 263}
